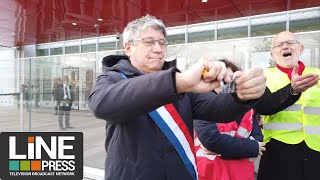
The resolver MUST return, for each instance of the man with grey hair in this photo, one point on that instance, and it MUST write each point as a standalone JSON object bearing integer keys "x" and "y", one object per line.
{"x": 292, "y": 135}
{"x": 149, "y": 105}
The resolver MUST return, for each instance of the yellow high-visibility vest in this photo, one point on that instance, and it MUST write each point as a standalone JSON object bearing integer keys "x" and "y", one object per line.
{"x": 299, "y": 122}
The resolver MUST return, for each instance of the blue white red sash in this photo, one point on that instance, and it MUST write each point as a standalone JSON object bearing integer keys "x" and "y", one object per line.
{"x": 171, "y": 124}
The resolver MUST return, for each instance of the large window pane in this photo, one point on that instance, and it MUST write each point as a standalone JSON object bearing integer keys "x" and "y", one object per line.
{"x": 267, "y": 29}
{"x": 47, "y": 82}
{"x": 56, "y": 51}
{"x": 260, "y": 49}
{"x": 72, "y": 49}
{"x": 305, "y": 25}
{"x": 176, "y": 39}
{"x": 42, "y": 52}
{"x": 107, "y": 46}
{"x": 88, "y": 48}
{"x": 233, "y": 50}
{"x": 200, "y": 36}
{"x": 233, "y": 33}
{"x": 311, "y": 52}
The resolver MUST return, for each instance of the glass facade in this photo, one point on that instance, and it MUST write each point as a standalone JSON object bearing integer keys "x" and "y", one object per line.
{"x": 107, "y": 46}
{"x": 176, "y": 39}
{"x": 77, "y": 46}
{"x": 305, "y": 25}
{"x": 251, "y": 50}
{"x": 56, "y": 51}
{"x": 201, "y": 36}
{"x": 233, "y": 33}
{"x": 88, "y": 48}
{"x": 42, "y": 52}
{"x": 72, "y": 49}
{"x": 267, "y": 29}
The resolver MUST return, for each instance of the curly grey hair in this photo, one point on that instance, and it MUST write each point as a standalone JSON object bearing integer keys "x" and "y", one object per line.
{"x": 134, "y": 28}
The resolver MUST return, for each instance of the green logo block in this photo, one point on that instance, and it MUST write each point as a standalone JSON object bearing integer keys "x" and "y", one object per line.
{"x": 24, "y": 165}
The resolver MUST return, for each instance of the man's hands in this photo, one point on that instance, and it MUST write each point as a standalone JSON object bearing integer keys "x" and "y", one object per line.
{"x": 192, "y": 80}
{"x": 249, "y": 84}
{"x": 301, "y": 83}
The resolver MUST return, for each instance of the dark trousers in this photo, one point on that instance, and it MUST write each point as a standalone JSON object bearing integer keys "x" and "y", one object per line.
{"x": 64, "y": 111}
{"x": 36, "y": 100}
{"x": 289, "y": 161}
{"x": 28, "y": 105}
{"x": 56, "y": 108}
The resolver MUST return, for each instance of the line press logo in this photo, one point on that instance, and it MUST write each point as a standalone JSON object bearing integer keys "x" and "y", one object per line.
{"x": 41, "y": 156}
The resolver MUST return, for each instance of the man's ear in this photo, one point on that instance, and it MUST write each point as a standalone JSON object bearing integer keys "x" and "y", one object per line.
{"x": 127, "y": 49}
{"x": 272, "y": 59}
{"x": 301, "y": 49}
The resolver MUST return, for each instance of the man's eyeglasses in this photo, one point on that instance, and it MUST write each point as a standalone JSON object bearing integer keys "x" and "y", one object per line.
{"x": 149, "y": 41}
{"x": 280, "y": 44}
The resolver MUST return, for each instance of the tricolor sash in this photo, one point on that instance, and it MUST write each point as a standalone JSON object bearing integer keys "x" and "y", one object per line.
{"x": 171, "y": 124}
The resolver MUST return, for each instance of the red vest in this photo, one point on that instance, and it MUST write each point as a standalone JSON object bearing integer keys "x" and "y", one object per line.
{"x": 213, "y": 167}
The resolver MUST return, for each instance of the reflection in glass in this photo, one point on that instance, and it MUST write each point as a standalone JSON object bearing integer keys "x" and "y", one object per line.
{"x": 42, "y": 52}
{"x": 238, "y": 32}
{"x": 305, "y": 25}
{"x": 56, "y": 51}
{"x": 234, "y": 50}
{"x": 88, "y": 48}
{"x": 46, "y": 80}
{"x": 267, "y": 29}
{"x": 311, "y": 52}
{"x": 260, "y": 53}
{"x": 72, "y": 49}
{"x": 201, "y": 36}
{"x": 176, "y": 39}
{"x": 107, "y": 46}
